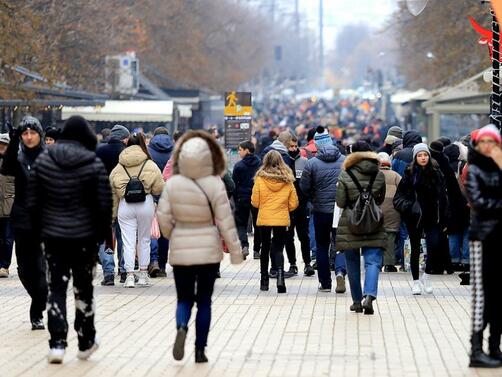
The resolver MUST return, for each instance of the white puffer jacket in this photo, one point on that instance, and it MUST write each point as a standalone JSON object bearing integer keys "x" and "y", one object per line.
{"x": 184, "y": 215}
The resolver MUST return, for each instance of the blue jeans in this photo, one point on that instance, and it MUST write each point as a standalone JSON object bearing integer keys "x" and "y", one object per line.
{"x": 158, "y": 251}
{"x": 185, "y": 278}
{"x": 6, "y": 242}
{"x": 402, "y": 235}
{"x": 459, "y": 247}
{"x": 313, "y": 246}
{"x": 324, "y": 232}
{"x": 372, "y": 264}
{"x": 107, "y": 260}
{"x": 337, "y": 259}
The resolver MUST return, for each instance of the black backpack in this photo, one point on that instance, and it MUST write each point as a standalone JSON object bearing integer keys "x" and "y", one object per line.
{"x": 135, "y": 190}
{"x": 365, "y": 217}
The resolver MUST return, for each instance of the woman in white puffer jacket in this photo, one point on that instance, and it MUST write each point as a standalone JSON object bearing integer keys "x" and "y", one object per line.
{"x": 193, "y": 211}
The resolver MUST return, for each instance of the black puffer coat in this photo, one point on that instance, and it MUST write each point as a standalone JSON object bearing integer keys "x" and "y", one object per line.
{"x": 320, "y": 176}
{"x": 421, "y": 198}
{"x": 69, "y": 193}
{"x": 484, "y": 190}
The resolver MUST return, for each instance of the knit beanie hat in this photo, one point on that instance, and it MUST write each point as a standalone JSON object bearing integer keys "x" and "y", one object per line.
{"x": 452, "y": 151}
{"x": 395, "y": 131}
{"x": 437, "y": 146}
{"x": 52, "y": 132}
{"x": 4, "y": 139}
{"x": 322, "y": 137}
{"x": 420, "y": 147}
{"x": 31, "y": 123}
{"x": 310, "y": 134}
{"x": 384, "y": 159}
{"x": 491, "y": 131}
{"x": 445, "y": 141}
{"x": 119, "y": 132}
{"x": 76, "y": 128}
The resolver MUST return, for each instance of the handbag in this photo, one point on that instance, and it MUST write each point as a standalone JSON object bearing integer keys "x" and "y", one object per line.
{"x": 223, "y": 243}
{"x": 155, "y": 232}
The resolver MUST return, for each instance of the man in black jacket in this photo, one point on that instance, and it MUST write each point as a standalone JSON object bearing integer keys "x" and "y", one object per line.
{"x": 243, "y": 177}
{"x": 109, "y": 153}
{"x": 70, "y": 199}
{"x": 25, "y": 146}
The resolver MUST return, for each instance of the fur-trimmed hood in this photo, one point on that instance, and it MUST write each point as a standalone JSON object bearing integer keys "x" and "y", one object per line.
{"x": 198, "y": 155}
{"x": 365, "y": 162}
{"x": 274, "y": 180}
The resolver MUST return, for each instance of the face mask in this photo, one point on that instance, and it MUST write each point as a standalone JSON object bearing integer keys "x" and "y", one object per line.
{"x": 294, "y": 154}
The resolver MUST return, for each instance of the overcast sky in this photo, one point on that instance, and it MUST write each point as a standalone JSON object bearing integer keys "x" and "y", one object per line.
{"x": 338, "y": 13}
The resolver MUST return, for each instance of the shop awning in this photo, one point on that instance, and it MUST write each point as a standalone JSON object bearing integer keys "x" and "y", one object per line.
{"x": 124, "y": 111}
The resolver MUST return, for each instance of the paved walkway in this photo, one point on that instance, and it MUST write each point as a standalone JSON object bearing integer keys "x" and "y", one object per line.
{"x": 303, "y": 333}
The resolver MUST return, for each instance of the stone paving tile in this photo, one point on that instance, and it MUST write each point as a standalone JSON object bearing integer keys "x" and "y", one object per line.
{"x": 303, "y": 333}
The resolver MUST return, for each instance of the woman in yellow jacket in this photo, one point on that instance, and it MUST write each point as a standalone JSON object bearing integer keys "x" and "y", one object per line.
{"x": 275, "y": 197}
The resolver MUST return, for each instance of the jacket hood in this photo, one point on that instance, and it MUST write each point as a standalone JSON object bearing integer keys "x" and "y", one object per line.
{"x": 273, "y": 181}
{"x": 252, "y": 161}
{"x": 411, "y": 138}
{"x": 161, "y": 143}
{"x": 132, "y": 156}
{"x": 278, "y": 146}
{"x": 70, "y": 154}
{"x": 364, "y": 162}
{"x": 195, "y": 159}
{"x": 274, "y": 176}
{"x": 328, "y": 153}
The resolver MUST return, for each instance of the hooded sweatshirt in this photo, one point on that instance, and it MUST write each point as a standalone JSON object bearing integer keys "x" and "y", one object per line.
{"x": 275, "y": 197}
{"x": 68, "y": 193}
{"x": 160, "y": 148}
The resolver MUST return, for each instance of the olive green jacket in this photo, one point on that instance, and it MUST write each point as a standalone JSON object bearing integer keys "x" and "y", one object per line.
{"x": 363, "y": 165}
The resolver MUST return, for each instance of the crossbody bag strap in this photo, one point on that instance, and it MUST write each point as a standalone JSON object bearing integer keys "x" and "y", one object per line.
{"x": 208, "y": 200}
{"x": 356, "y": 182}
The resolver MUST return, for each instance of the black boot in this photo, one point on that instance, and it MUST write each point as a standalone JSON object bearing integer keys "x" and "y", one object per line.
{"x": 179, "y": 343}
{"x": 200, "y": 356}
{"x": 264, "y": 282}
{"x": 479, "y": 359}
{"x": 368, "y": 305}
{"x": 494, "y": 344}
{"x": 281, "y": 284}
{"x": 356, "y": 307}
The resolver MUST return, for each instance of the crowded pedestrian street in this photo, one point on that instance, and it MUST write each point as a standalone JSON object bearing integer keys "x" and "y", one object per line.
{"x": 303, "y": 333}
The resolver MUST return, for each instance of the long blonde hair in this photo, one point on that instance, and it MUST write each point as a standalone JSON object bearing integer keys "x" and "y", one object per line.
{"x": 274, "y": 168}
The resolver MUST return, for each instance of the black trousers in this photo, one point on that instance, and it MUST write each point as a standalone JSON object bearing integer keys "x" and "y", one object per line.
{"x": 492, "y": 260}
{"x": 300, "y": 222}
{"x": 31, "y": 269}
{"x": 241, "y": 214}
{"x": 272, "y": 247}
{"x": 66, "y": 258}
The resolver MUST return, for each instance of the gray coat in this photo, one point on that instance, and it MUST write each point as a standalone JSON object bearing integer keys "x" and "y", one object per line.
{"x": 6, "y": 193}
{"x": 320, "y": 176}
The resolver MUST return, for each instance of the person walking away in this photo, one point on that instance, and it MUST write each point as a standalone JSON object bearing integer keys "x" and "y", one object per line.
{"x": 70, "y": 200}
{"x": 26, "y": 144}
{"x": 394, "y": 134}
{"x": 391, "y": 217}
{"x": 299, "y": 218}
{"x": 6, "y": 200}
{"x": 361, "y": 172}
{"x": 484, "y": 190}
{"x": 109, "y": 153}
{"x": 134, "y": 181}
{"x": 274, "y": 195}
{"x": 310, "y": 150}
{"x": 243, "y": 177}
{"x": 318, "y": 183}
{"x": 193, "y": 211}
{"x": 421, "y": 199}
{"x": 160, "y": 148}
{"x": 281, "y": 145}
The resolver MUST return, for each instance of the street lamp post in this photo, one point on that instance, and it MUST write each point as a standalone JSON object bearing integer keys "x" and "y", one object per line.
{"x": 495, "y": 101}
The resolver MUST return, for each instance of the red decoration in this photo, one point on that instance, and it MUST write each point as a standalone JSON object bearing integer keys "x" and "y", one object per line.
{"x": 486, "y": 35}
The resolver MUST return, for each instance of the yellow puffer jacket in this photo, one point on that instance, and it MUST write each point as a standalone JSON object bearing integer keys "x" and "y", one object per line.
{"x": 275, "y": 198}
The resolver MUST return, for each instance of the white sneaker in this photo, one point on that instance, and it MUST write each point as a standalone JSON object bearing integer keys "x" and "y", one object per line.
{"x": 144, "y": 279}
{"x": 426, "y": 282}
{"x": 56, "y": 355}
{"x": 417, "y": 287}
{"x": 4, "y": 273}
{"x": 84, "y": 355}
{"x": 129, "y": 283}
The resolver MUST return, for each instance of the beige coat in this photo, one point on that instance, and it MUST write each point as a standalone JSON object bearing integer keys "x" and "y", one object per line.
{"x": 6, "y": 193}
{"x": 132, "y": 158}
{"x": 391, "y": 218}
{"x": 185, "y": 217}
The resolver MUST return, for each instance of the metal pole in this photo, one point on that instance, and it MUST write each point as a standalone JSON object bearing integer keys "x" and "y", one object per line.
{"x": 495, "y": 115}
{"x": 321, "y": 41}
